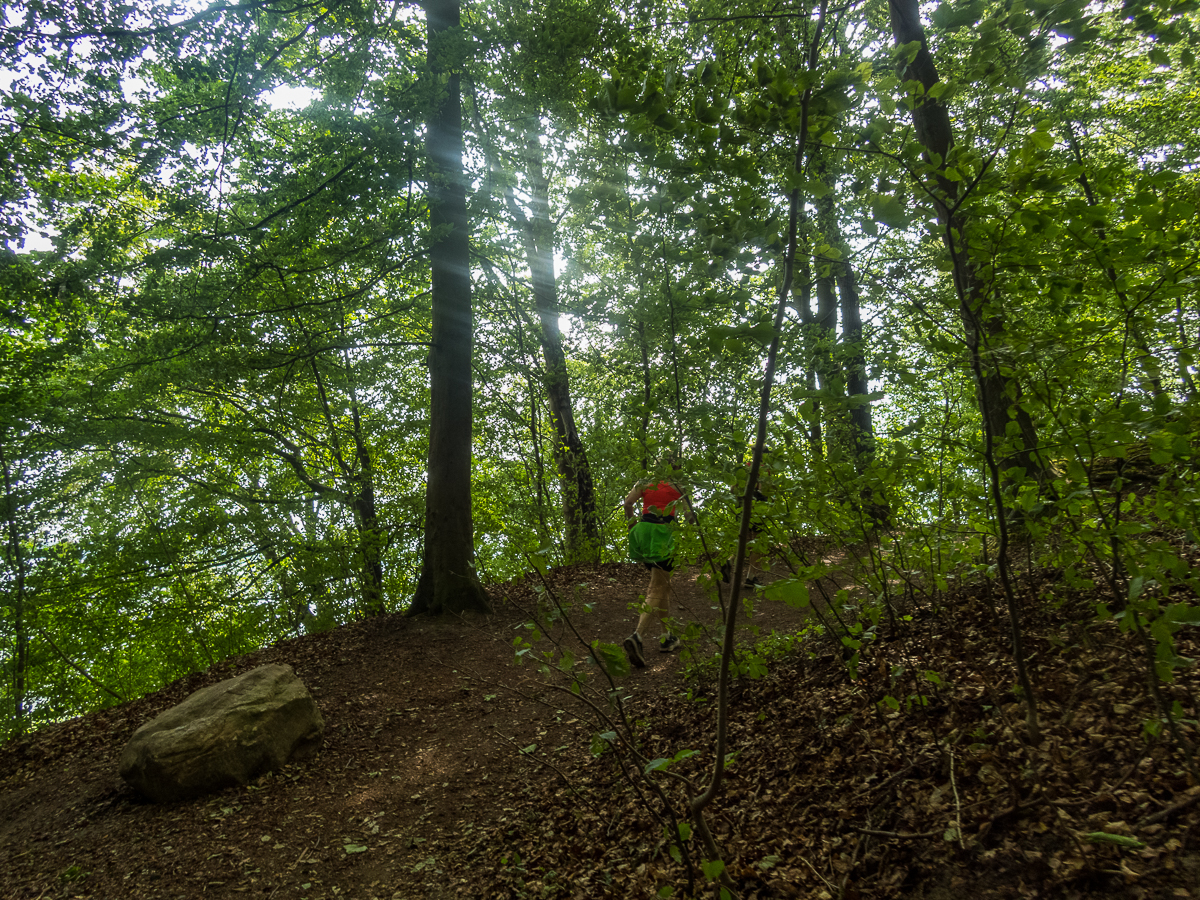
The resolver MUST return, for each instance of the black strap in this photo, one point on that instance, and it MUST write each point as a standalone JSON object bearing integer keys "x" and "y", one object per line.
{"x": 656, "y": 519}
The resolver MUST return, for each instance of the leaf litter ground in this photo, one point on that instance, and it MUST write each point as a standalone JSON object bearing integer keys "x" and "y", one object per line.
{"x": 448, "y": 771}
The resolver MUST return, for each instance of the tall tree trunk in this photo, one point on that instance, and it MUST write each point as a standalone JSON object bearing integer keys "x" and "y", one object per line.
{"x": 448, "y": 581}
{"x": 829, "y": 369}
{"x": 538, "y": 473}
{"x": 851, "y": 361}
{"x": 370, "y": 536}
{"x": 358, "y": 475}
{"x": 862, "y": 429}
{"x": 640, "y": 327}
{"x": 16, "y": 564}
{"x": 1182, "y": 363}
{"x": 802, "y": 296}
{"x": 674, "y": 359}
{"x": 983, "y": 329}
{"x": 578, "y": 492}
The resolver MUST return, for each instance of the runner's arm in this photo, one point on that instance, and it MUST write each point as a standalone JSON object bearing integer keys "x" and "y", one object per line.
{"x": 630, "y": 499}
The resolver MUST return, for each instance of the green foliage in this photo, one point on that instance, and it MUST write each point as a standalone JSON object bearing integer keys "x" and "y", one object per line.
{"x": 612, "y": 658}
{"x": 602, "y": 742}
{"x": 712, "y": 868}
{"x": 1120, "y": 840}
{"x": 662, "y": 764}
{"x": 215, "y": 327}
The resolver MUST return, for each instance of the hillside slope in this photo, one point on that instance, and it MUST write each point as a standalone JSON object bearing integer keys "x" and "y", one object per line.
{"x": 447, "y": 771}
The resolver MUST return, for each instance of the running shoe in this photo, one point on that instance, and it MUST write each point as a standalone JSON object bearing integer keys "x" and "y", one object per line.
{"x": 633, "y": 649}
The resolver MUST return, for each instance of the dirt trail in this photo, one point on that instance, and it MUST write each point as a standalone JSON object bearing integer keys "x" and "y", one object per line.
{"x": 430, "y": 727}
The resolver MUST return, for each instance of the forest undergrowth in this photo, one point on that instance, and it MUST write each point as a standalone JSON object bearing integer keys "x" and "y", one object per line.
{"x": 449, "y": 771}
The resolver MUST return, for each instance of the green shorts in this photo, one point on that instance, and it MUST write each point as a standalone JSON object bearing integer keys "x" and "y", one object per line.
{"x": 653, "y": 544}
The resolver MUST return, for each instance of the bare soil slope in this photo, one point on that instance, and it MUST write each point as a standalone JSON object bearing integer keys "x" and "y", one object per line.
{"x": 447, "y": 771}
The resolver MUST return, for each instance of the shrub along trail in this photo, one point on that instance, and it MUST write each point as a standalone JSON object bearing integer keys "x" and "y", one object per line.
{"x": 447, "y": 771}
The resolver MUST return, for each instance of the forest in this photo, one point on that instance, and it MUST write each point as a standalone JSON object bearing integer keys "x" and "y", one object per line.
{"x": 316, "y": 312}
{"x": 327, "y": 325}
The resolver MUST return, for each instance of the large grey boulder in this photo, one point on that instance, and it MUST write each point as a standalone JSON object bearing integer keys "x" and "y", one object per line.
{"x": 225, "y": 734}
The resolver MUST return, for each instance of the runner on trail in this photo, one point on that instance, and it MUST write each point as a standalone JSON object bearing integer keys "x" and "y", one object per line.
{"x": 652, "y": 543}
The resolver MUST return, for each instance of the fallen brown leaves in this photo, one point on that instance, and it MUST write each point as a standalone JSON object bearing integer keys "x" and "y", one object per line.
{"x": 911, "y": 780}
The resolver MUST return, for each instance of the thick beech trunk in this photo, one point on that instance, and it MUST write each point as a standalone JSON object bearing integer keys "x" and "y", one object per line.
{"x": 578, "y": 493}
{"x": 862, "y": 430}
{"x": 358, "y": 474}
{"x": 16, "y": 564}
{"x": 644, "y": 431}
{"x": 829, "y": 369}
{"x": 850, "y": 360}
{"x": 847, "y": 360}
{"x": 983, "y": 327}
{"x": 370, "y": 535}
{"x": 802, "y": 298}
{"x": 448, "y": 581}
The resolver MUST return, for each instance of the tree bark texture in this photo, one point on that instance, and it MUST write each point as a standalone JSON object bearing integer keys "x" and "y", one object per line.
{"x": 448, "y": 582}
{"x": 16, "y": 563}
{"x": 862, "y": 429}
{"x": 358, "y": 476}
{"x": 983, "y": 329}
{"x": 643, "y": 346}
{"x": 830, "y": 374}
{"x": 370, "y": 535}
{"x": 538, "y": 472}
{"x": 802, "y": 297}
{"x": 575, "y": 476}
{"x": 849, "y": 360}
